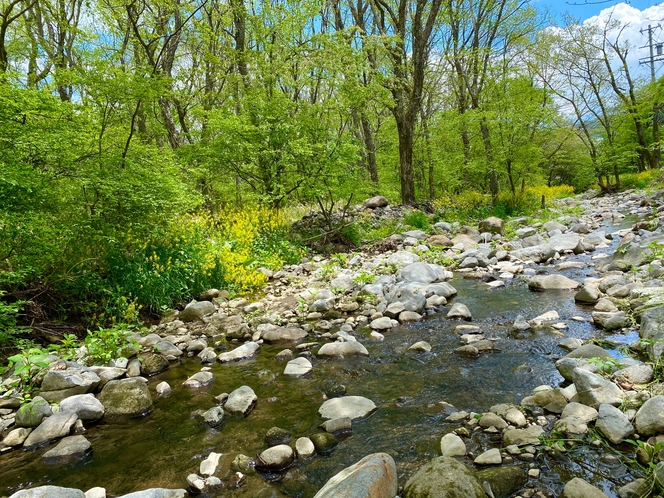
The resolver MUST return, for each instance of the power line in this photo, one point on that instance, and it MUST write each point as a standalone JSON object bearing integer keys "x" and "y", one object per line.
{"x": 656, "y": 51}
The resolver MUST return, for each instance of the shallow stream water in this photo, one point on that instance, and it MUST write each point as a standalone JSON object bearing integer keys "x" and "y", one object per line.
{"x": 161, "y": 449}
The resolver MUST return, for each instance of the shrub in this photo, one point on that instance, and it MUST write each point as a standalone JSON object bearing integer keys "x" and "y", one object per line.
{"x": 186, "y": 256}
{"x": 417, "y": 219}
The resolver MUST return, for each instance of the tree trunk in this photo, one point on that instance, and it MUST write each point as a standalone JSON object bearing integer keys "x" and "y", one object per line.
{"x": 370, "y": 149}
{"x": 405, "y": 130}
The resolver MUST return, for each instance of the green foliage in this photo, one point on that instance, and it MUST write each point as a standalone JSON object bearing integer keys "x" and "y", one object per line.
{"x": 8, "y": 315}
{"x": 363, "y": 278}
{"x": 105, "y": 344}
{"x": 417, "y": 219}
{"x": 27, "y": 364}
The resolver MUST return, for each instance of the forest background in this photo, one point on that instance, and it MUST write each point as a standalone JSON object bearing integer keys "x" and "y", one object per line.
{"x": 151, "y": 149}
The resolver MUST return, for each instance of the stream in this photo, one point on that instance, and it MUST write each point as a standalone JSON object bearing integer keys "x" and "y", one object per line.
{"x": 161, "y": 449}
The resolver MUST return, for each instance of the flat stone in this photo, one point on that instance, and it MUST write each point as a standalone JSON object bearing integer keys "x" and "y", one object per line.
{"x": 199, "y": 379}
{"x": 49, "y": 492}
{"x": 420, "y": 346}
{"x": 16, "y": 437}
{"x": 299, "y": 367}
{"x": 209, "y": 466}
{"x": 285, "y": 334}
{"x": 275, "y": 459}
{"x": 107, "y": 373}
{"x": 157, "y": 493}
{"x": 241, "y": 401}
{"x": 169, "y": 350}
{"x": 332, "y": 349}
{"x": 578, "y": 488}
{"x": 492, "y": 420}
{"x": 68, "y": 449}
{"x": 247, "y": 350}
{"x": 489, "y": 457}
{"x": 580, "y": 411}
{"x": 552, "y": 282}
{"x": 522, "y": 437}
{"x": 336, "y": 425}
{"x": 636, "y": 374}
{"x": 56, "y": 426}
{"x": 375, "y": 476}
{"x": 353, "y": 407}
{"x": 382, "y": 323}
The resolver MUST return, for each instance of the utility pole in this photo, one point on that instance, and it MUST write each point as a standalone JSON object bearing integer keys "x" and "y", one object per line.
{"x": 654, "y": 56}
{"x": 653, "y": 47}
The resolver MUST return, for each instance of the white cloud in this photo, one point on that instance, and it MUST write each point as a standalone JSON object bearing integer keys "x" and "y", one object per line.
{"x": 635, "y": 21}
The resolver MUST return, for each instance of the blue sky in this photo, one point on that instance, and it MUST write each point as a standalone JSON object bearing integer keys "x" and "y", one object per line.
{"x": 584, "y": 9}
{"x": 636, "y": 14}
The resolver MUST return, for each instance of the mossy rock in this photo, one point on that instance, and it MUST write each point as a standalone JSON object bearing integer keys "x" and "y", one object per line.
{"x": 504, "y": 481}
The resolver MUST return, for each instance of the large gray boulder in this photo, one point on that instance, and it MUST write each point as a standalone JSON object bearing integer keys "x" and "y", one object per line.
{"x": 154, "y": 364}
{"x": 278, "y": 334}
{"x": 241, "y": 401}
{"x": 565, "y": 242}
{"x": 589, "y": 294}
{"x": 33, "y": 413}
{"x": 552, "y": 282}
{"x": 424, "y": 273}
{"x": 650, "y": 417}
{"x": 443, "y": 477}
{"x": 49, "y": 492}
{"x": 492, "y": 225}
{"x": 594, "y": 390}
{"x": 652, "y": 328}
{"x": 196, "y": 311}
{"x": 578, "y": 488}
{"x": 56, "y": 426}
{"x": 86, "y": 406}
{"x": 610, "y": 320}
{"x": 614, "y": 424}
{"x": 60, "y": 384}
{"x": 412, "y": 301}
{"x": 126, "y": 397}
{"x": 353, "y": 407}
{"x": 539, "y": 253}
{"x": 372, "y": 477}
{"x": 377, "y": 201}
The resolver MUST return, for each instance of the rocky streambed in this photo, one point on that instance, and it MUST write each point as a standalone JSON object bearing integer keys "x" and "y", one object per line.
{"x": 477, "y": 381}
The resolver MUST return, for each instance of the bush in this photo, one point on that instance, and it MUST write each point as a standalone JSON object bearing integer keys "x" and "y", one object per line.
{"x": 192, "y": 253}
{"x": 417, "y": 219}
